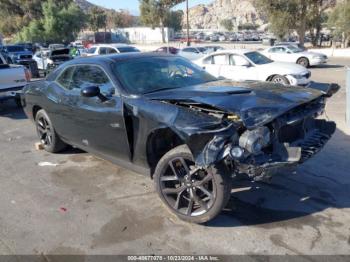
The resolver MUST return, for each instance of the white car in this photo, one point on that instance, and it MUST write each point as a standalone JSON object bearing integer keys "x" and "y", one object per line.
{"x": 192, "y": 53}
{"x": 12, "y": 79}
{"x": 242, "y": 65}
{"x": 106, "y": 49}
{"x": 294, "y": 54}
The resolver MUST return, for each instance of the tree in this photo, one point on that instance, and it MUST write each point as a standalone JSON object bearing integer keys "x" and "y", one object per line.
{"x": 285, "y": 15}
{"x": 59, "y": 24}
{"x": 247, "y": 26}
{"x": 227, "y": 24}
{"x": 119, "y": 19}
{"x": 339, "y": 21}
{"x": 97, "y": 18}
{"x": 17, "y": 14}
{"x": 299, "y": 15}
{"x": 155, "y": 12}
{"x": 174, "y": 20}
{"x": 316, "y": 17}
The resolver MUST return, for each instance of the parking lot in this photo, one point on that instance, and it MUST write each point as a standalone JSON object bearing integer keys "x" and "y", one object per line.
{"x": 74, "y": 203}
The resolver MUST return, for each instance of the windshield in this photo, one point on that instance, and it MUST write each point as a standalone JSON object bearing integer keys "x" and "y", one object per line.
{"x": 258, "y": 58}
{"x": 294, "y": 49}
{"x": 150, "y": 74}
{"x": 128, "y": 49}
{"x": 15, "y": 48}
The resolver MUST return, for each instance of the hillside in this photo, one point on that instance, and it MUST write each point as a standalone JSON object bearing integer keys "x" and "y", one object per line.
{"x": 209, "y": 16}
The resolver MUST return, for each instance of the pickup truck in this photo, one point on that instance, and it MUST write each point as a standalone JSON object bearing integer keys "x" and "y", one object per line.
{"x": 12, "y": 80}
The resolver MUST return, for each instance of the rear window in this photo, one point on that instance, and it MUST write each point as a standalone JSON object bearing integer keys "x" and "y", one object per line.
{"x": 128, "y": 49}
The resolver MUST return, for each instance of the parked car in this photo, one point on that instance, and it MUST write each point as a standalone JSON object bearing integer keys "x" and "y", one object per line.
{"x": 168, "y": 49}
{"x": 12, "y": 80}
{"x": 241, "y": 65}
{"x": 56, "y": 46}
{"x": 17, "y": 54}
{"x": 48, "y": 59}
{"x": 293, "y": 54}
{"x": 212, "y": 48}
{"x": 106, "y": 49}
{"x": 192, "y": 53}
{"x": 162, "y": 115}
{"x": 295, "y": 44}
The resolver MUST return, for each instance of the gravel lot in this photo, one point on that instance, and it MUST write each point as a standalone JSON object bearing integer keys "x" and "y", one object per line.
{"x": 73, "y": 203}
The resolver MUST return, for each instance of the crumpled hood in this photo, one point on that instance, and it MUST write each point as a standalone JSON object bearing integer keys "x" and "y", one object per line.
{"x": 256, "y": 103}
{"x": 60, "y": 52}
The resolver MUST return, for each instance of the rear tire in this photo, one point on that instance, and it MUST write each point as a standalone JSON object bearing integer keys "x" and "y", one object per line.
{"x": 279, "y": 79}
{"x": 303, "y": 61}
{"x": 194, "y": 196}
{"x": 47, "y": 134}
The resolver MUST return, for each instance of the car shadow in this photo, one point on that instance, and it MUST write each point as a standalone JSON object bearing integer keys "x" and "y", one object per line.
{"x": 295, "y": 197}
{"x": 327, "y": 66}
{"x": 10, "y": 109}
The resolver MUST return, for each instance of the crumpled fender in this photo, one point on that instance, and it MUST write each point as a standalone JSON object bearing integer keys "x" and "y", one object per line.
{"x": 207, "y": 147}
{"x": 327, "y": 89}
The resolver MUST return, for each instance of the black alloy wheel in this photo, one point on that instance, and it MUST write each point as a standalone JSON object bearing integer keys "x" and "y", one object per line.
{"x": 47, "y": 134}
{"x": 194, "y": 194}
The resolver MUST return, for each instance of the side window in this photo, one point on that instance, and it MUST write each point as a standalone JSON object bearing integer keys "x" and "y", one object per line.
{"x": 277, "y": 50}
{"x": 219, "y": 60}
{"x": 190, "y": 50}
{"x": 89, "y": 75}
{"x": 92, "y": 50}
{"x": 208, "y": 60}
{"x": 111, "y": 51}
{"x": 65, "y": 79}
{"x": 237, "y": 60}
{"x": 103, "y": 51}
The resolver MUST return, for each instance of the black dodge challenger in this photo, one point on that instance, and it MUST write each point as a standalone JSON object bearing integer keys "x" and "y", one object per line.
{"x": 164, "y": 116}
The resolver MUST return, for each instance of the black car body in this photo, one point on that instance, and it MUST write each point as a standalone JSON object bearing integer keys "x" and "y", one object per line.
{"x": 202, "y": 127}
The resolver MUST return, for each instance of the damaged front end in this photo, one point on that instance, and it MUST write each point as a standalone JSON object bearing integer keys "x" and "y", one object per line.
{"x": 287, "y": 141}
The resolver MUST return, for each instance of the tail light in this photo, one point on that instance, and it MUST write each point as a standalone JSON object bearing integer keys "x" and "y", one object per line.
{"x": 28, "y": 74}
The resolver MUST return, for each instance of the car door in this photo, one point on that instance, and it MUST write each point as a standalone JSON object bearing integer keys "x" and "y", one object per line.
{"x": 234, "y": 71}
{"x": 279, "y": 53}
{"x": 213, "y": 63}
{"x": 95, "y": 124}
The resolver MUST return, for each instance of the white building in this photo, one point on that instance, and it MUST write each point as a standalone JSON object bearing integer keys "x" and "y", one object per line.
{"x": 146, "y": 35}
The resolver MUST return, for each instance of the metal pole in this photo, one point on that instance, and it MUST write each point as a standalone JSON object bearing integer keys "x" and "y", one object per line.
{"x": 348, "y": 97}
{"x": 188, "y": 25}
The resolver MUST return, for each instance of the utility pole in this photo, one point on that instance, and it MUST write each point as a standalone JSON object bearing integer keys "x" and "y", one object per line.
{"x": 188, "y": 25}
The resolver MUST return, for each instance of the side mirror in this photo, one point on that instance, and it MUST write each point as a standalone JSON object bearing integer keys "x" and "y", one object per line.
{"x": 90, "y": 91}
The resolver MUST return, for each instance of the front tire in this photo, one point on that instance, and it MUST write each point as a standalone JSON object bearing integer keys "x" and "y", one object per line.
{"x": 47, "y": 134}
{"x": 194, "y": 195}
{"x": 303, "y": 61}
{"x": 279, "y": 79}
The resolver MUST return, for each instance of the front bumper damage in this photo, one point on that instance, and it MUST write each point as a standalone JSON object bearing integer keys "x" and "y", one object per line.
{"x": 286, "y": 155}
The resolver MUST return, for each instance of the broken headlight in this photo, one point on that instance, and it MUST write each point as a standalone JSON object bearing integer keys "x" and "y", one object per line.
{"x": 255, "y": 140}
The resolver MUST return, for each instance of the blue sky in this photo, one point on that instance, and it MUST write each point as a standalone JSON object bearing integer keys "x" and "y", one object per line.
{"x": 133, "y": 5}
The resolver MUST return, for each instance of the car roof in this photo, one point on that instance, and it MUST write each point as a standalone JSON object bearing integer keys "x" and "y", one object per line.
{"x": 233, "y": 51}
{"x": 116, "y": 57}
{"x": 111, "y": 45}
